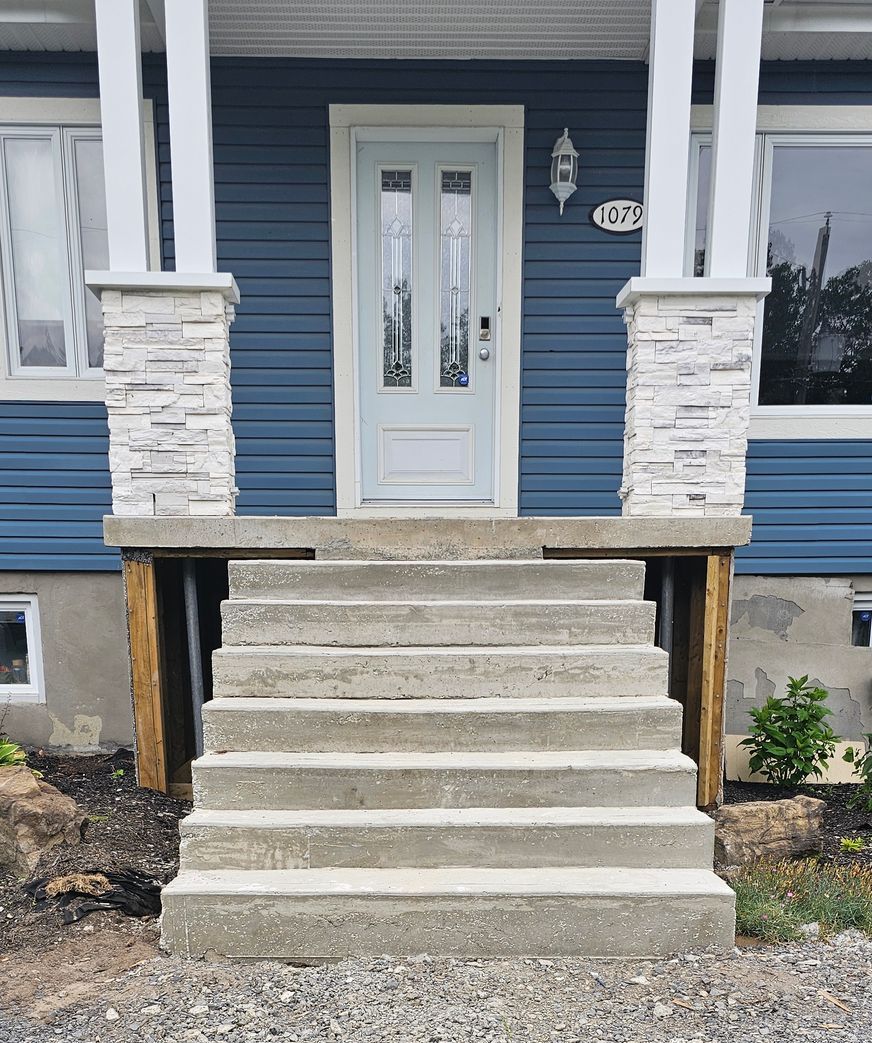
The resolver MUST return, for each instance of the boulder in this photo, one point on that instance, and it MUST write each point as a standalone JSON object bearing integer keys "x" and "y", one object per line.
{"x": 34, "y": 817}
{"x": 772, "y": 829}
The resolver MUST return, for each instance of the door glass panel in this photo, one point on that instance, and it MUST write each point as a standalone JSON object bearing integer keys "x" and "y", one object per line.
{"x": 91, "y": 202}
{"x": 455, "y": 277}
{"x": 39, "y": 256}
{"x": 817, "y": 325}
{"x": 396, "y": 277}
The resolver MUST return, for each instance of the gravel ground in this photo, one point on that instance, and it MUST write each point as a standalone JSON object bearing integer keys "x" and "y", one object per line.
{"x": 813, "y": 991}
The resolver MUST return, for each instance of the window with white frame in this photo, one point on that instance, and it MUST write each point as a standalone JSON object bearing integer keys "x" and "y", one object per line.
{"x": 813, "y": 237}
{"x": 861, "y": 620}
{"x": 52, "y": 228}
{"x": 20, "y": 649}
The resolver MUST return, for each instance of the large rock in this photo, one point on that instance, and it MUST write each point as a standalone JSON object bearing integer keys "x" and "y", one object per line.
{"x": 745, "y": 833}
{"x": 34, "y": 817}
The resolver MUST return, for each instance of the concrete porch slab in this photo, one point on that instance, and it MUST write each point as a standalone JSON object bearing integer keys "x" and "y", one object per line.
{"x": 438, "y": 538}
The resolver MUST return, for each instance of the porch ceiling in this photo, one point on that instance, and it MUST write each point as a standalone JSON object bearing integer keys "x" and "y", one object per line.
{"x": 437, "y": 29}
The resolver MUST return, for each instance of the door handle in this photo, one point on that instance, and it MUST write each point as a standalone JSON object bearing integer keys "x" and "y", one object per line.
{"x": 484, "y": 354}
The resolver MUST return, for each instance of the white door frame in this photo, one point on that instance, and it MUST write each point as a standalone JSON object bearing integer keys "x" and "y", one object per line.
{"x": 503, "y": 124}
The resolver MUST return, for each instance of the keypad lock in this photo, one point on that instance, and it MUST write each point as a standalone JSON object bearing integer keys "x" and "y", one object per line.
{"x": 484, "y": 327}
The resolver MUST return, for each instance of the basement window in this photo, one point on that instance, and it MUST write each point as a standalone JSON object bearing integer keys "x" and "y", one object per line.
{"x": 52, "y": 228}
{"x": 20, "y": 649}
{"x": 861, "y": 622}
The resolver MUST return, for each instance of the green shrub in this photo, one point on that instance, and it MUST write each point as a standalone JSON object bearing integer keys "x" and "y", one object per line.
{"x": 789, "y": 738}
{"x": 10, "y": 752}
{"x": 862, "y": 796}
{"x": 774, "y": 899}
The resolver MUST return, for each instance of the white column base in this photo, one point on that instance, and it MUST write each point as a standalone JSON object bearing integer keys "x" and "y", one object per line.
{"x": 688, "y": 398}
{"x": 167, "y": 370}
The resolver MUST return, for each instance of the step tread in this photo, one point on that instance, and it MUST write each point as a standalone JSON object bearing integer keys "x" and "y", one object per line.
{"x": 662, "y": 760}
{"x": 336, "y": 651}
{"x": 486, "y": 705}
{"x": 452, "y": 881}
{"x": 453, "y": 563}
{"x": 202, "y": 818}
{"x": 448, "y": 603}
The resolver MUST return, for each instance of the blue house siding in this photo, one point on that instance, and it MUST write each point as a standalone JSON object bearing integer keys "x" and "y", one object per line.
{"x": 271, "y": 173}
{"x": 54, "y": 486}
{"x": 812, "y": 508}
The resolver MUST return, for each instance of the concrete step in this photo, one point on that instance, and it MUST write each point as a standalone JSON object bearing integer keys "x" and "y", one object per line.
{"x": 430, "y": 725}
{"x": 436, "y": 580}
{"x": 285, "y": 781}
{"x": 437, "y": 673}
{"x": 650, "y": 837}
{"x": 478, "y": 912}
{"x": 405, "y": 623}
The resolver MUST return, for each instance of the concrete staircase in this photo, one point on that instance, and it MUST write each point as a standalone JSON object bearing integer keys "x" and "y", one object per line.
{"x": 466, "y": 758}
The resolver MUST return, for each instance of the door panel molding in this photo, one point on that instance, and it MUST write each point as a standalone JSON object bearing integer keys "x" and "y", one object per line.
{"x": 502, "y": 124}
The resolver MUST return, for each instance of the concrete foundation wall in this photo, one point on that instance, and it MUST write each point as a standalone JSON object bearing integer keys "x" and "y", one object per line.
{"x": 86, "y": 683}
{"x": 787, "y": 626}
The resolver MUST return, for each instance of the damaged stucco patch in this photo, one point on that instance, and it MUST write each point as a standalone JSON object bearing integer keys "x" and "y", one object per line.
{"x": 84, "y": 734}
{"x": 846, "y": 720}
{"x": 767, "y": 612}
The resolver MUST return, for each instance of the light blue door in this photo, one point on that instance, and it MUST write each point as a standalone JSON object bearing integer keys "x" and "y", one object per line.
{"x": 426, "y": 282}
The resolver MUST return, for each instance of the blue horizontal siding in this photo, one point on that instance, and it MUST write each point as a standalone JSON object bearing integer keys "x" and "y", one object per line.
{"x": 54, "y": 486}
{"x": 271, "y": 183}
{"x": 812, "y": 507}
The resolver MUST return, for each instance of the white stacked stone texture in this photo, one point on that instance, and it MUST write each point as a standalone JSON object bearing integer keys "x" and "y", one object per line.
{"x": 688, "y": 404}
{"x": 167, "y": 370}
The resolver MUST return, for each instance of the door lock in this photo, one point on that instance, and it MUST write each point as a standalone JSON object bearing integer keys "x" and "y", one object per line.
{"x": 484, "y": 329}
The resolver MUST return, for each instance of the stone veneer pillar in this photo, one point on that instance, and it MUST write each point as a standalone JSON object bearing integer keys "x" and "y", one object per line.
{"x": 167, "y": 370}
{"x": 688, "y": 398}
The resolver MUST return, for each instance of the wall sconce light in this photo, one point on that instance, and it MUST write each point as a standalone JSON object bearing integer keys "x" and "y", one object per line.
{"x": 564, "y": 168}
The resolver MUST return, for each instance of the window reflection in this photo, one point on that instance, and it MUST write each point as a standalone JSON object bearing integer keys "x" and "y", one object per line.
{"x": 817, "y": 324}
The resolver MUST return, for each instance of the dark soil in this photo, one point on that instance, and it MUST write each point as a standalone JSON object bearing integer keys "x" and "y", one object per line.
{"x": 128, "y": 828}
{"x": 839, "y": 820}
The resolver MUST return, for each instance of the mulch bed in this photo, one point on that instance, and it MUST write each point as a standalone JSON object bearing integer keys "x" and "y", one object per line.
{"x": 839, "y": 820}
{"x": 129, "y": 828}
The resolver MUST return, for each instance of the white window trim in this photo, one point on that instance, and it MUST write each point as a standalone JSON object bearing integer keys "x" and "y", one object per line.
{"x": 466, "y": 122}
{"x": 792, "y": 124}
{"x": 34, "y": 692}
{"x": 72, "y": 113}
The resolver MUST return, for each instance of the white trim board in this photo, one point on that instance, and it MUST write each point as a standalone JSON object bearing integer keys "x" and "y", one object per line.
{"x": 503, "y": 124}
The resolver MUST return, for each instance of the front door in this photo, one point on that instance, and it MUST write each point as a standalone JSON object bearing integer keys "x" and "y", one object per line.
{"x": 427, "y": 320}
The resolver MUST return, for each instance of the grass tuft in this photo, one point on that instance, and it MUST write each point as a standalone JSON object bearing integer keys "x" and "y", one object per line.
{"x": 774, "y": 899}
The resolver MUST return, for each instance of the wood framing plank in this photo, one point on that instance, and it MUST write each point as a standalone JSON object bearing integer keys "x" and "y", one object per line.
{"x": 714, "y": 662}
{"x": 141, "y": 593}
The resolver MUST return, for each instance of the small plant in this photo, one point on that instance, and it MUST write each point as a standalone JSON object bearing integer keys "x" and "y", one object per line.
{"x": 774, "y": 900}
{"x": 862, "y": 761}
{"x": 117, "y": 774}
{"x": 10, "y": 753}
{"x": 852, "y": 845}
{"x": 790, "y": 739}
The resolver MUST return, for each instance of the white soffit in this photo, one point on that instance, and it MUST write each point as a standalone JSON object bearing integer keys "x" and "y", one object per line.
{"x": 522, "y": 29}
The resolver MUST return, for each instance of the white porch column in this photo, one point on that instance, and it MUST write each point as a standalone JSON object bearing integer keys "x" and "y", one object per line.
{"x": 190, "y": 105}
{"x": 690, "y": 340}
{"x": 737, "y": 74}
{"x": 123, "y": 149}
{"x": 670, "y": 71}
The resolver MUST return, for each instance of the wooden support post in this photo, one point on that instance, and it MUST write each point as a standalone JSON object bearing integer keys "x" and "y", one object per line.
{"x": 145, "y": 661}
{"x": 719, "y": 569}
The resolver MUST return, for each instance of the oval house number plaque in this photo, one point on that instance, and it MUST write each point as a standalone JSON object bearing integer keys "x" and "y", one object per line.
{"x": 618, "y": 216}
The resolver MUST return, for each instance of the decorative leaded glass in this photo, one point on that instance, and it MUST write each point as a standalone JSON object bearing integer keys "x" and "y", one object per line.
{"x": 396, "y": 277}
{"x": 455, "y": 278}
